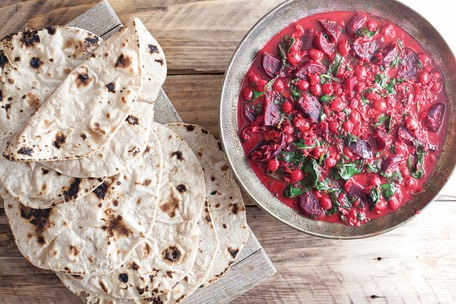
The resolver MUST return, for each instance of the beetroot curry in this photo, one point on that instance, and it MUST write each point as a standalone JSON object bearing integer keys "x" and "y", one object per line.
{"x": 342, "y": 116}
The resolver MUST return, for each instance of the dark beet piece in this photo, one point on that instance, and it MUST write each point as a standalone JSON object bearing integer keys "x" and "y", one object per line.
{"x": 271, "y": 65}
{"x": 271, "y": 111}
{"x": 251, "y": 112}
{"x": 309, "y": 205}
{"x": 355, "y": 23}
{"x": 308, "y": 38}
{"x": 310, "y": 67}
{"x": 434, "y": 117}
{"x": 350, "y": 85}
{"x": 331, "y": 29}
{"x": 355, "y": 189}
{"x": 361, "y": 148}
{"x": 267, "y": 149}
{"x": 322, "y": 43}
{"x": 382, "y": 139}
{"x": 391, "y": 163}
{"x": 386, "y": 55}
{"x": 409, "y": 66}
{"x": 365, "y": 49}
{"x": 310, "y": 107}
{"x": 405, "y": 136}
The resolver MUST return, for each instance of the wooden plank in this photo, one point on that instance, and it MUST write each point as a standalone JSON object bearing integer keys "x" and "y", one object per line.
{"x": 415, "y": 263}
{"x": 100, "y": 19}
{"x": 197, "y": 36}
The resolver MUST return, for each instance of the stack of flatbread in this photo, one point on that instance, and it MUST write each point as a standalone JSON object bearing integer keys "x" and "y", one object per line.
{"x": 123, "y": 209}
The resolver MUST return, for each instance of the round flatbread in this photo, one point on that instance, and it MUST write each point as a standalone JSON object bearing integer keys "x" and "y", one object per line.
{"x": 96, "y": 234}
{"x": 33, "y": 65}
{"x": 224, "y": 196}
{"x": 122, "y": 149}
{"x": 89, "y": 107}
{"x": 168, "y": 255}
{"x": 208, "y": 246}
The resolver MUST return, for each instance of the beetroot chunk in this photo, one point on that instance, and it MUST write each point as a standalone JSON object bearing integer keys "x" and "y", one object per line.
{"x": 271, "y": 65}
{"x": 386, "y": 55}
{"x": 405, "y": 136}
{"x": 271, "y": 111}
{"x": 434, "y": 117}
{"x": 310, "y": 107}
{"x": 409, "y": 66}
{"x": 361, "y": 148}
{"x": 308, "y": 38}
{"x": 391, "y": 163}
{"x": 309, "y": 205}
{"x": 331, "y": 29}
{"x": 355, "y": 189}
{"x": 365, "y": 49}
{"x": 382, "y": 139}
{"x": 267, "y": 149}
{"x": 310, "y": 67}
{"x": 322, "y": 43}
{"x": 355, "y": 23}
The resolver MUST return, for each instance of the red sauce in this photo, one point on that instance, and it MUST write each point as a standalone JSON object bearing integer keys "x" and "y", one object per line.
{"x": 342, "y": 116}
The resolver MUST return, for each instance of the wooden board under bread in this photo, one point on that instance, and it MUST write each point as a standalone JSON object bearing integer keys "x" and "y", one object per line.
{"x": 252, "y": 265}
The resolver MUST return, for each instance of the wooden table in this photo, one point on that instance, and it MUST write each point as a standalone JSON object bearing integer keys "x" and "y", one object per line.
{"x": 415, "y": 263}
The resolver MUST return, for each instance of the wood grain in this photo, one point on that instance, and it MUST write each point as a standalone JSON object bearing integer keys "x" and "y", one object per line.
{"x": 197, "y": 36}
{"x": 415, "y": 263}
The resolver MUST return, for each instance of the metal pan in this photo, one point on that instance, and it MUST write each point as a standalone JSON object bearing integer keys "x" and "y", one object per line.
{"x": 259, "y": 35}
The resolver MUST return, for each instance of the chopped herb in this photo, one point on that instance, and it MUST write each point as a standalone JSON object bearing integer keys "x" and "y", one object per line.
{"x": 416, "y": 170}
{"x": 381, "y": 119}
{"x": 313, "y": 171}
{"x": 346, "y": 171}
{"x": 364, "y": 32}
{"x": 375, "y": 195}
{"x": 400, "y": 43}
{"x": 292, "y": 157}
{"x": 257, "y": 94}
{"x": 295, "y": 93}
{"x": 374, "y": 166}
{"x": 300, "y": 144}
{"x": 396, "y": 61}
{"x": 325, "y": 78}
{"x": 333, "y": 67}
{"x": 388, "y": 190}
{"x": 292, "y": 192}
{"x": 326, "y": 98}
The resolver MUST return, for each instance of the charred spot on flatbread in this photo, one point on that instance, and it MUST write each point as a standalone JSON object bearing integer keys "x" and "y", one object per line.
{"x": 100, "y": 191}
{"x": 115, "y": 225}
{"x": 83, "y": 136}
{"x": 161, "y": 61}
{"x": 83, "y": 80}
{"x": 153, "y": 49}
{"x": 25, "y": 151}
{"x": 111, "y": 87}
{"x": 134, "y": 266}
{"x": 44, "y": 171}
{"x": 29, "y": 38}
{"x": 59, "y": 140}
{"x": 171, "y": 205}
{"x": 3, "y": 59}
{"x": 178, "y": 155}
{"x": 190, "y": 128}
{"x": 123, "y": 277}
{"x": 233, "y": 251}
{"x": 172, "y": 255}
{"x": 123, "y": 62}
{"x": 181, "y": 188}
{"x": 38, "y": 218}
{"x": 50, "y": 30}
{"x": 132, "y": 120}
{"x": 91, "y": 40}
{"x": 74, "y": 250}
{"x": 1, "y": 95}
{"x": 7, "y": 107}
{"x": 32, "y": 100}
{"x": 236, "y": 208}
{"x": 72, "y": 192}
